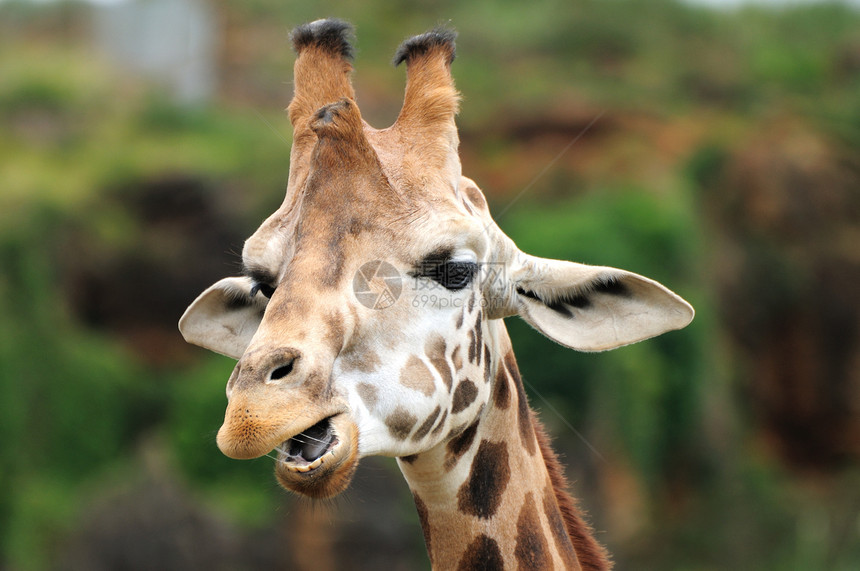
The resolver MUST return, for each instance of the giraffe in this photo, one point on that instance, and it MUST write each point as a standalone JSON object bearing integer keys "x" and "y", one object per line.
{"x": 368, "y": 320}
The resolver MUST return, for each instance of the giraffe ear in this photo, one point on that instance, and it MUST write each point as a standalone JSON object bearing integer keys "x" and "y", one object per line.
{"x": 224, "y": 317}
{"x": 593, "y": 308}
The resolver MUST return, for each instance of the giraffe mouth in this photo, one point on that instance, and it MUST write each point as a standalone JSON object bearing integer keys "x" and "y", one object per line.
{"x": 309, "y": 449}
{"x": 320, "y": 461}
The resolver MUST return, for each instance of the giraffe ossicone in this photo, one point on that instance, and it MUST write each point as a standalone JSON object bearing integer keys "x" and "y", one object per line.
{"x": 335, "y": 363}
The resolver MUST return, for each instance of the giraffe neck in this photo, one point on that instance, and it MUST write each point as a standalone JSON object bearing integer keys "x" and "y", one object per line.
{"x": 494, "y": 496}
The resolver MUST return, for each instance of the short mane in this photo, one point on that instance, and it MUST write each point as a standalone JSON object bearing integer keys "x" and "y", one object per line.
{"x": 591, "y": 555}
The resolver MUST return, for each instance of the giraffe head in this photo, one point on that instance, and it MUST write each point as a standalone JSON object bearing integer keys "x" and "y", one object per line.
{"x": 360, "y": 324}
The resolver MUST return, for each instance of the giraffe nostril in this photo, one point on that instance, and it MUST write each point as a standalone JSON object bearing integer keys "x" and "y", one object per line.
{"x": 282, "y": 371}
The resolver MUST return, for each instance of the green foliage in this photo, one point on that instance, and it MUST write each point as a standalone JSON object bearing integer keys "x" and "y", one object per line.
{"x": 67, "y": 395}
{"x": 77, "y": 407}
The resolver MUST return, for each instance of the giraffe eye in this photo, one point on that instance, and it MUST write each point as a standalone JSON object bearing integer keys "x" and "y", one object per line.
{"x": 450, "y": 274}
{"x": 260, "y": 279}
{"x": 265, "y": 289}
{"x": 457, "y": 275}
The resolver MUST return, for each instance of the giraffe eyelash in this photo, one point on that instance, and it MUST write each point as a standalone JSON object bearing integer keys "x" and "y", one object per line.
{"x": 265, "y": 289}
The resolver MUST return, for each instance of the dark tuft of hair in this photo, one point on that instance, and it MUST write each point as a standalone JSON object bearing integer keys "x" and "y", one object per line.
{"x": 439, "y": 37}
{"x": 332, "y": 35}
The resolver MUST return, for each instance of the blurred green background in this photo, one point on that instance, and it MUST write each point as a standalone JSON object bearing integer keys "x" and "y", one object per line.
{"x": 715, "y": 151}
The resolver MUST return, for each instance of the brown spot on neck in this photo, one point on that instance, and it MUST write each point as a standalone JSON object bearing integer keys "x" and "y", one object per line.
{"x": 488, "y": 371}
{"x": 524, "y": 413}
{"x": 424, "y": 519}
{"x": 457, "y": 446}
{"x": 483, "y": 554}
{"x": 502, "y": 390}
{"x": 559, "y": 532}
{"x": 532, "y": 550}
{"x": 481, "y": 493}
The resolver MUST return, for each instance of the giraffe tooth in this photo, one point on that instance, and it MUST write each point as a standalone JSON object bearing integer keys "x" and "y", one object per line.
{"x": 308, "y": 467}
